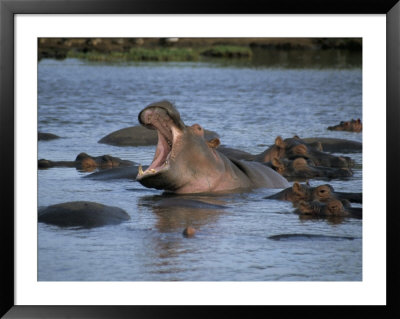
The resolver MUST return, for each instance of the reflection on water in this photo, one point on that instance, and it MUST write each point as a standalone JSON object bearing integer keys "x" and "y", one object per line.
{"x": 248, "y": 104}
{"x": 174, "y": 213}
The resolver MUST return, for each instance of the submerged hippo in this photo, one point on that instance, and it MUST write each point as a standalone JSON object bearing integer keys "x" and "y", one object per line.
{"x": 47, "y": 136}
{"x": 139, "y": 136}
{"x": 334, "y": 145}
{"x": 302, "y": 168}
{"x": 330, "y": 208}
{"x": 303, "y": 192}
{"x": 349, "y": 126}
{"x": 185, "y": 163}
{"x": 326, "y": 192}
{"x": 81, "y": 214}
{"x": 86, "y": 162}
{"x": 305, "y": 236}
{"x": 295, "y": 147}
{"x": 291, "y": 148}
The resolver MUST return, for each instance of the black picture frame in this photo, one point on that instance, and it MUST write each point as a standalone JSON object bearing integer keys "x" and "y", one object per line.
{"x": 9, "y": 8}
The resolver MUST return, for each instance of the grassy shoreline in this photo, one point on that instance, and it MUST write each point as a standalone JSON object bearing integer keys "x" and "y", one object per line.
{"x": 181, "y": 49}
{"x": 162, "y": 54}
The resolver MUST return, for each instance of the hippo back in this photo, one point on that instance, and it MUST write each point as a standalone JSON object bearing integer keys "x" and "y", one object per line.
{"x": 261, "y": 175}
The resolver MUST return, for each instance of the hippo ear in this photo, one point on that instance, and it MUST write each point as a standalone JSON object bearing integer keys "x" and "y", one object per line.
{"x": 214, "y": 143}
{"x": 296, "y": 137}
{"x": 279, "y": 142}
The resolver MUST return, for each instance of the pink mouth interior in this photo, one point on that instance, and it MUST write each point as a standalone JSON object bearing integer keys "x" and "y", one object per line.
{"x": 162, "y": 151}
{"x": 159, "y": 120}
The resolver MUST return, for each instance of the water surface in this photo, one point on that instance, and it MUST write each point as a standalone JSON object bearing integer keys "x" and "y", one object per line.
{"x": 249, "y": 105}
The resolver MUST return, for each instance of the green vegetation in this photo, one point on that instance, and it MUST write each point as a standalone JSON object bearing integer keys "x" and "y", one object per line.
{"x": 228, "y": 51}
{"x": 163, "y": 54}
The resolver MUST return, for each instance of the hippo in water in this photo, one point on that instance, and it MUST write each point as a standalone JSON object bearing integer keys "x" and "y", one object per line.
{"x": 349, "y": 126}
{"x": 320, "y": 201}
{"x": 322, "y": 193}
{"x": 291, "y": 148}
{"x": 47, "y": 136}
{"x": 139, "y": 136}
{"x": 81, "y": 214}
{"x": 330, "y": 208}
{"x": 185, "y": 163}
{"x": 302, "y": 168}
{"x": 295, "y": 147}
{"x": 333, "y": 145}
{"x": 86, "y": 162}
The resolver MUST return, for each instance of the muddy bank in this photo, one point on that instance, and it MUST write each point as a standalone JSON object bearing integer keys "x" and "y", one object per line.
{"x": 184, "y": 48}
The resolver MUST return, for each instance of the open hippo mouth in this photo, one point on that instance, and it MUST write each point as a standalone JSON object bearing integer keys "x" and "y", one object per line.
{"x": 164, "y": 118}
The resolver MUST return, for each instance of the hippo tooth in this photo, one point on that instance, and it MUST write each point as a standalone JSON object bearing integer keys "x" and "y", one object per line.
{"x": 140, "y": 170}
{"x": 152, "y": 170}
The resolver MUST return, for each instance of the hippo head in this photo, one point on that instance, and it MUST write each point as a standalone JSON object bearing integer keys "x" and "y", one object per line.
{"x": 333, "y": 207}
{"x": 295, "y": 147}
{"x": 302, "y": 168}
{"x": 351, "y": 126}
{"x": 85, "y": 162}
{"x": 323, "y": 193}
{"x": 298, "y": 167}
{"x": 183, "y": 158}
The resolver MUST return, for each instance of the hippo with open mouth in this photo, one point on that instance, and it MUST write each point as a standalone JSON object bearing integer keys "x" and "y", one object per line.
{"x": 184, "y": 162}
